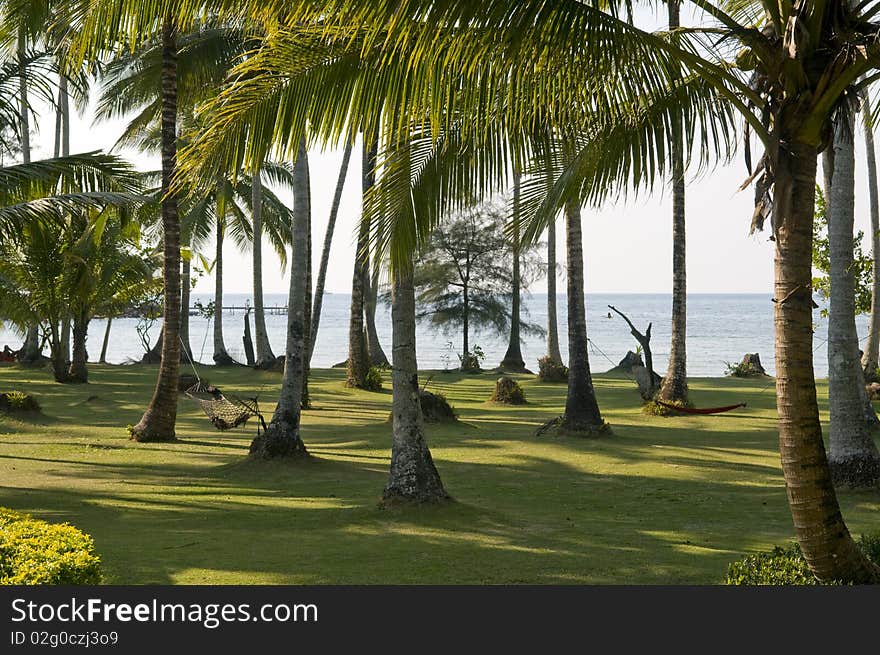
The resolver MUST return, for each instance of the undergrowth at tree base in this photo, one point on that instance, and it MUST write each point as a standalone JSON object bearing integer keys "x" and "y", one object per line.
{"x": 785, "y": 565}
{"x": 654, "y": 408}
{"x": 559, "y": 427}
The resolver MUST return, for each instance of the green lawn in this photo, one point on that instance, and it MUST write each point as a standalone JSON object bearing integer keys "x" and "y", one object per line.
{"x": 662, "y": 500}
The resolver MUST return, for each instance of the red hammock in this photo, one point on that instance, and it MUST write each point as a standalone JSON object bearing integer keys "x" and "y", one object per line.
{"x": 706, "y": 410}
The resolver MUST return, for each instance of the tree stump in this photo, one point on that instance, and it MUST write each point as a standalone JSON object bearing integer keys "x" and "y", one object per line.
{"x": 508, "y": 392}
{"x": 749, "y": 367}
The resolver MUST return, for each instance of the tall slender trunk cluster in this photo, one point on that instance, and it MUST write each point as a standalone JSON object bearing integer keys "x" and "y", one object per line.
{"x": 513, "y": 359}
{"x": 328, "y": 242}
{"x": 825, "y": 541}
{"x": 157, "y": 423}
{"x": 413, "y": 477}
{"x": 853, "y": 457}
{"x": 582, "y": 413}
{"x": 282, "y": 438}
{"x": 552, "y": 326}
{"x": 358, "y": 353}
{"x": 265, "y": 358}
{"x": 371, "y": 283}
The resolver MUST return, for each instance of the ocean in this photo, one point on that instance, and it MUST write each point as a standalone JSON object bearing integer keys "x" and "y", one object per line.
{"x": 721, "y": 329}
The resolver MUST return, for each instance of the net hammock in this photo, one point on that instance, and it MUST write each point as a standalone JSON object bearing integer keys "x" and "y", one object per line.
{"x": 224, "y": 414}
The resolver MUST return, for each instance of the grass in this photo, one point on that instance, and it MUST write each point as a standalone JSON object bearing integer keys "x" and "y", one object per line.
{"x": 662, "y": 500}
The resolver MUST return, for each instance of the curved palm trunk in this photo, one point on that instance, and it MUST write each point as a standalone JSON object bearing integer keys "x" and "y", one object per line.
{"x": 413, "y": 476}
{"x": 853, "y": 459}
{"x": 221, "y": 357}
{"x": 185, "y": 284}
{"x": 282, "y": 437}
{"x": 358, "y": 354}
{"x": 265, "y": 357}
{"x": 674, "y": 387}
{"x": 157, "y": 423}
{"x": 826, "y": 543}
{"x": 79, "y": 372}
{"x": 872, "y": 345}
{"x": 328, "y": 241}
{"x": 371, "y": 293}
{"x": 552, "y": 326}
{"x": 581, "y": 408}
{"x": 513, "y": 359}
{"x": 103, "y": 358}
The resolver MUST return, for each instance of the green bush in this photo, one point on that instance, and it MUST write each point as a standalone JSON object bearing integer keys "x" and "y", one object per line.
{"x": 373, "y": 379}
{"x": 785, "y": 565}
{"x": 552, "y": 370}
{"x": 18, "y": 401}
{"x": 35, "y": 552}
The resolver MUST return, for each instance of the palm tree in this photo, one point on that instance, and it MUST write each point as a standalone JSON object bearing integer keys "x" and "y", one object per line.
{"x": 328, "y": 241}
{"x": 371, "y": 291}
{"x": 358, "y": 350}
{"x": 853, "y": 459}
{"x": 283, "y": 438}
{"x": 413, "y": 477}
{"x": 870, "y": 361}
{"x": 48, "y": 264}
{"x": 674, "y": 388}
{"x": 265, "y": 358}
{"x": 552, "y": 330}
{"x": 513, "y": 359}
{"x": 160, "y": 417}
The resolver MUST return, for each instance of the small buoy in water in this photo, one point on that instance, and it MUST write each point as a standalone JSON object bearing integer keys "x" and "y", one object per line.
{"x": 609, "y": 315}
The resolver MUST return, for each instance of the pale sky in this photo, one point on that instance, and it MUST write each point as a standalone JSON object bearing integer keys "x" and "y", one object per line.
{"x": 628, "y": 246}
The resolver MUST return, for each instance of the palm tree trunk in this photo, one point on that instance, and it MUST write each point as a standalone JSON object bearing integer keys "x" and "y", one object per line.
{"x": 157, "y": 423}
{"x": 824, "y": 539}
{"x": 552, "y": 324}
{"x": 30, "y": 350}
{"x": 265, "y": 356}
{"x": 103, "y": 358}
{"x": 79, "y": 372}
{"x": 674, "y": 388}
{"x": 582, "y": 413}
{"x": 853, "y": 459}
{"x": 371, "y": 285}
{"x": 185, "y": 284}
{"x": 413, "y": 477}
{"x": 62, "y": 148}
{"x": 282, "y": 438}
{"x": 872, "y": 346}
{"x": 307, "y": 312}
{"x": 328, "y": 241}
{"x": 513, "y": 359}
{"x": 358, "y": 355}
{"x": 221, "y": 357}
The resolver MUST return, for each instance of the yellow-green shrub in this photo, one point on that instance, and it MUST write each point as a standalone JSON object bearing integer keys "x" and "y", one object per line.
{"x": 36, "y": 552}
